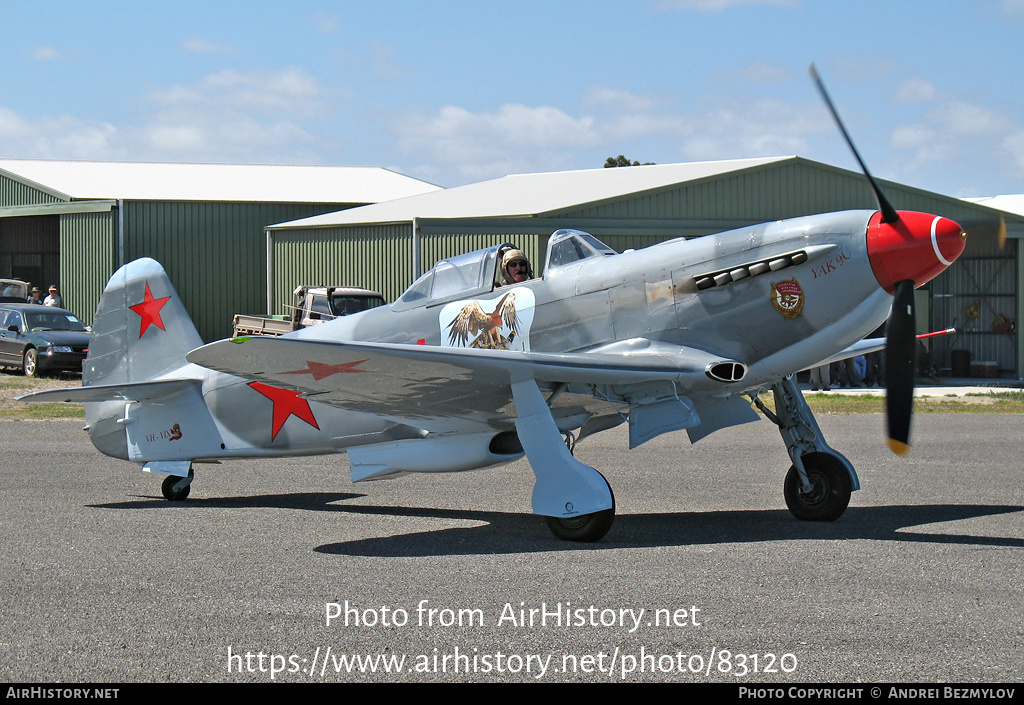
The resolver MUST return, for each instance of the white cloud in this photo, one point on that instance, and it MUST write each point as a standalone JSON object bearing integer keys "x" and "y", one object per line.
{"x": 486, "y": 145}
{"x": 618, "y": 99}
{"x": 1014, "y": 146}
{"x": 382, "y": 61}
{"x": 226, "y": 116}
{"x": 198, "y": 45}
{"x": 959, "y": 136}
{"x": 1012, "y": 8}
{"x": 45, "y": 52}
{"x": 63, "y": 137}
{"x": 757, "y": 128}
{"x": 915, "y": 90}
{"x": 291, "y": 91}
{"x": 758, "y": 72}
{"x": 325, "y": 22}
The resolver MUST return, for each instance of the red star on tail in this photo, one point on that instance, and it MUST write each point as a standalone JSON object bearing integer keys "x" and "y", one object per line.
{"x": 149, "y": 311}
{"x": 286, "y": 403}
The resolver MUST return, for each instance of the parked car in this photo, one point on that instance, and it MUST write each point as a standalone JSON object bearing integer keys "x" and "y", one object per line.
{"x": 38, "y": 339}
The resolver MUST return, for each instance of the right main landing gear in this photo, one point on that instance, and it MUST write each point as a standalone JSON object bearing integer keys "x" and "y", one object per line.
{"x": 820, "y": 481}
{"x": 830, "y": 489}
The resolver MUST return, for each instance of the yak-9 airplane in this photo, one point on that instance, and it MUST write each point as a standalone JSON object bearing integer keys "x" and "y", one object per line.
{"x": 462, "y": 373}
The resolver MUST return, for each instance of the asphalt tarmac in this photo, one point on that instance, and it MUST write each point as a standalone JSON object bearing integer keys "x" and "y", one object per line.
{"x": 283, "y": 570}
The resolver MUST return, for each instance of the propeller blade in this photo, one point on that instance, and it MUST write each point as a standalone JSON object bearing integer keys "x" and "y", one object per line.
{"x": 1001, "y": 233}
{"x": 889, "y": 214}
{"x": 900, "y": 367}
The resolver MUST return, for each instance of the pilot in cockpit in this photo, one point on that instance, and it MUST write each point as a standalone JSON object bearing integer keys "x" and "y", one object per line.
{"x": 515, "y": 267}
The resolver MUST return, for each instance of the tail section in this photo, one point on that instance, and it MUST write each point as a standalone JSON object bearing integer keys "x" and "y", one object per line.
{"x": 141, "y": 329}
{"x": 142, "y": 403}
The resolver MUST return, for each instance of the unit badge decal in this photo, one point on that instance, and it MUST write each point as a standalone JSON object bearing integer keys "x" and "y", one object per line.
{"x": 788, "y": 298}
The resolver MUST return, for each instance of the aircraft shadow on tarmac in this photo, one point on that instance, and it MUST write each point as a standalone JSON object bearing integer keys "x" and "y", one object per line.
{"x": 502, "y": 532}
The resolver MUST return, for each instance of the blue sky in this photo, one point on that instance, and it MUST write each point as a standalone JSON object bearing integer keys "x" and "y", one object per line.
{"x": 455, "y": 92}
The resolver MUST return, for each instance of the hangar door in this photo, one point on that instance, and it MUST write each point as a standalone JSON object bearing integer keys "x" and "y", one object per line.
{"x": 30, "y": 249}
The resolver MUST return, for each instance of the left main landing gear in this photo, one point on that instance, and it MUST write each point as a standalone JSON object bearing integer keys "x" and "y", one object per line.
{"x": 586, "y": 528}
{"x": 574, "y": 499}
{"x": 177, "y": 488}
{"x": 820, "y": 481}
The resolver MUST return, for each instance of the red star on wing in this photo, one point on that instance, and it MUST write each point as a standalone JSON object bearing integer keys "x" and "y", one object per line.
{"x": 286, "y": 403}
{"x": 149, "y": 311}
{"x": 320, "y": 370}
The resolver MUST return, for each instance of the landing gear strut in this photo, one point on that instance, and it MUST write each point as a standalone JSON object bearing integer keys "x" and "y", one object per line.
{"x": 820, "y": 481}
{"x": 574, "y": 499}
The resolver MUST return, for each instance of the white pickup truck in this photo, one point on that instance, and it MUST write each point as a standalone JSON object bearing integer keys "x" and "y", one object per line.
{"x": 310, "y": 305}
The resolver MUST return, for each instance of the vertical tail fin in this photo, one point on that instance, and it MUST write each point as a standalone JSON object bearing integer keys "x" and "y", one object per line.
{"x": 141, "y": 328}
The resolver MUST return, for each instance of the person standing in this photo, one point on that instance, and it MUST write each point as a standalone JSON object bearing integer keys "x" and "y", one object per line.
{"x": 54, "y": 299}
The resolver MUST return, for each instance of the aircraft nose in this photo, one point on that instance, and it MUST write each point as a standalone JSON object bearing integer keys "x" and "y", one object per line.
{"x": 918, "y": 247}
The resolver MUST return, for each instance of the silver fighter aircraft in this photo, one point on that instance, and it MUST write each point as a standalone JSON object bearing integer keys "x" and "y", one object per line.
{"x": 461, "y": 373}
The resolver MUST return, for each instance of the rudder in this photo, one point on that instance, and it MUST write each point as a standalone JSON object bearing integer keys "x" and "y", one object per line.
{"x": 141, "y": 328}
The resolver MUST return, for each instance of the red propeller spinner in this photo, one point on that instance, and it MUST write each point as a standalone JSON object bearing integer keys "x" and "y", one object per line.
{"x": 917, "y": 246}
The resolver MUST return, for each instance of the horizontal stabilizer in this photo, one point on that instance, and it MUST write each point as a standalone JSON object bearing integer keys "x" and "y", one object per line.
{"x": 130, "y": 391}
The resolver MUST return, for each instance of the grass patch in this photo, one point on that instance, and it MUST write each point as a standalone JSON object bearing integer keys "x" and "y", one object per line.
{"x": 44, "y": 410}
{"x": 994, "y": 403}
{"x": 14, "y": 384}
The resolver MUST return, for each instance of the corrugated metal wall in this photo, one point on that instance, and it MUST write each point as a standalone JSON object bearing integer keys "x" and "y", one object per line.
{"x": 28, "y": 245}
{"x": 88, "y": 256}
{"x": 214, "y": 253}
{"x": 440, "y": 245}
{"x": 16, "y": 193}
{"x": 377, "y": 257}
{"x": 971, "y": 296}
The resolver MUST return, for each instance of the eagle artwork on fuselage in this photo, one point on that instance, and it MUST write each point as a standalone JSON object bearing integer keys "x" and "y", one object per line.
{"x": 506, "y": 327}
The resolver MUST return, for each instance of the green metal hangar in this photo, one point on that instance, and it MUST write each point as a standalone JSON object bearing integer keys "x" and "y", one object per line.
{"x": 386, "y": 245}
{"x": 74, "y": 223}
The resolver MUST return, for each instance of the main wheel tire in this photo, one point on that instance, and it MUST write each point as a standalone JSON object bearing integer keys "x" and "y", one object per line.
{"x": 586, "y": 527}
{"x": 830, "y": 492}
{"x": 30, "y": 363}
{"x": 168, "y": 489}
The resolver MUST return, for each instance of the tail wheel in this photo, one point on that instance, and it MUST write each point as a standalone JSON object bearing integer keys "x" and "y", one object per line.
{"x": 585, "y": 528}
{"x": 172, "y": 494}
{"x": 830, "y": 489}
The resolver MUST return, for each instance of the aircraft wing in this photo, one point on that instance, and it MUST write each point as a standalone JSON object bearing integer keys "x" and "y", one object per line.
{"x": 861, "y": 347}
{"x": 416, "y": 380}
{"x": 870, "y": 345}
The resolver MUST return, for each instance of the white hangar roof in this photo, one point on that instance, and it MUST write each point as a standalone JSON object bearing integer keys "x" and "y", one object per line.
{"x": 1008, "y": 203}
{"x": 166, "y": 181}
{"x": 528, "y": 194}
